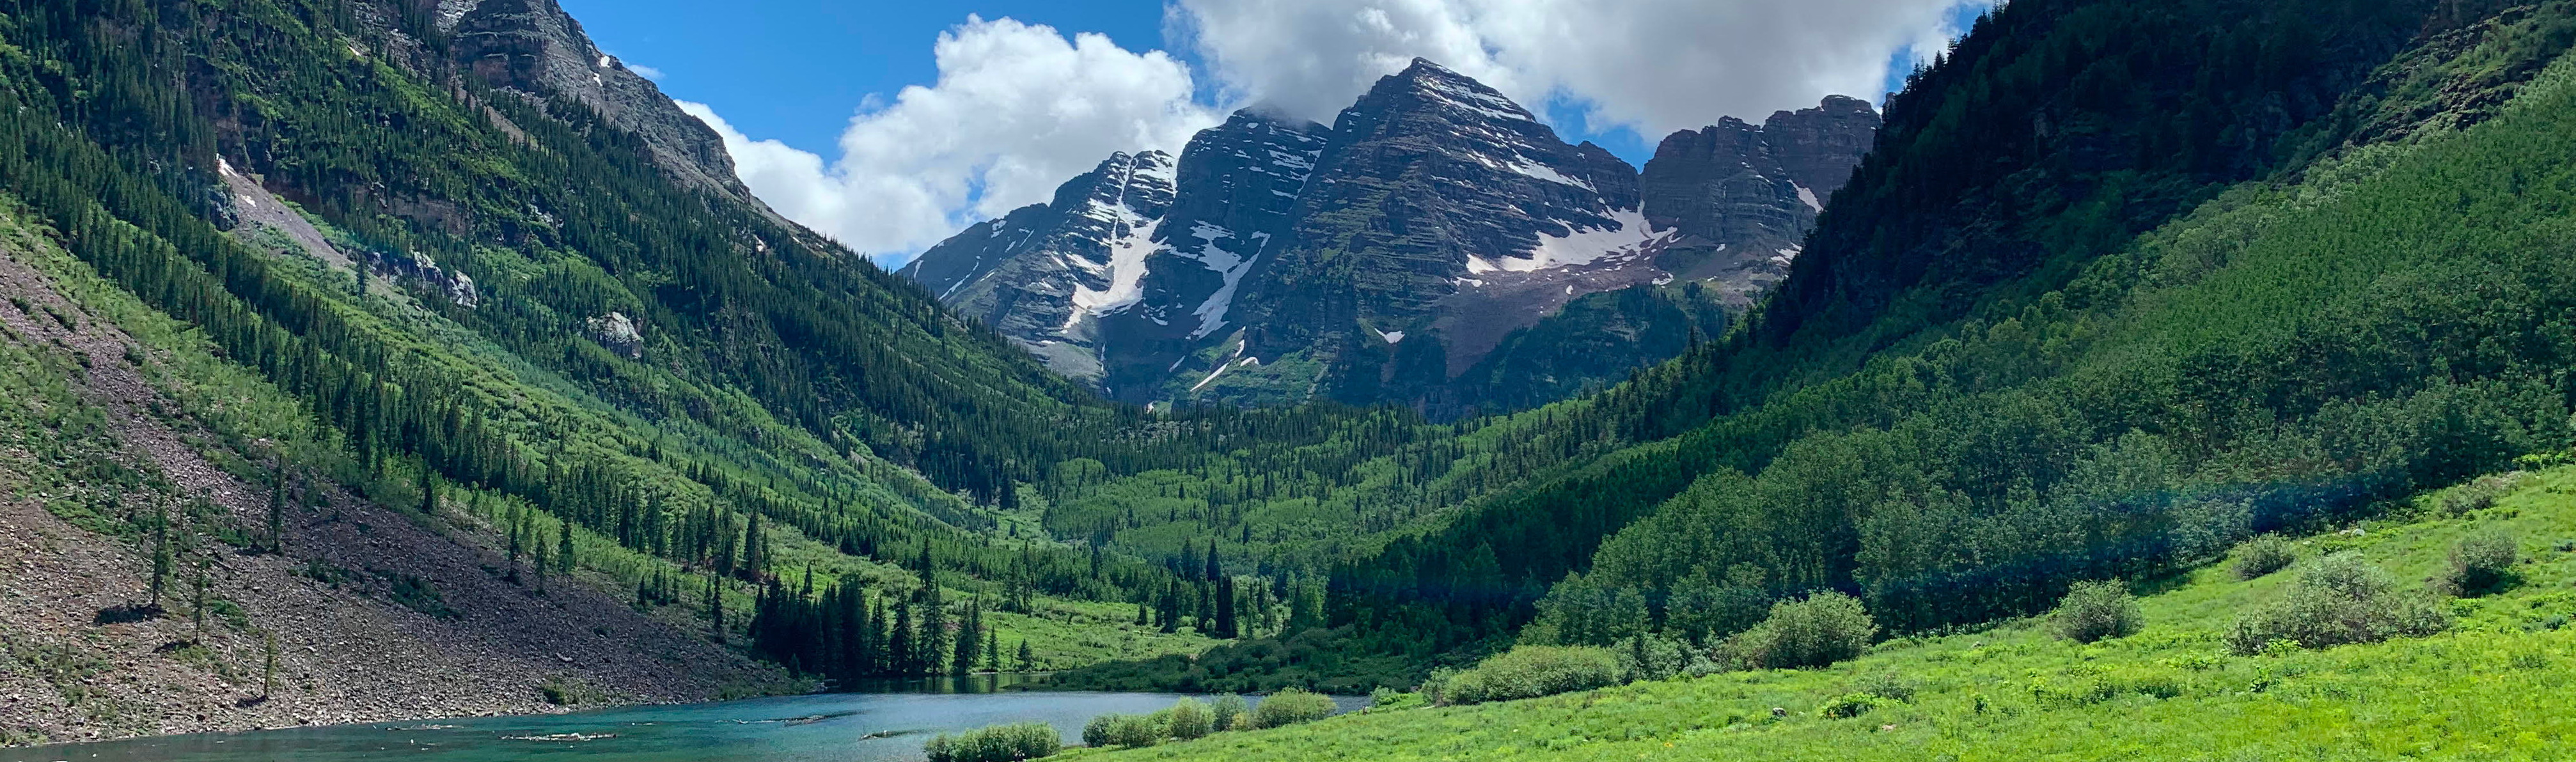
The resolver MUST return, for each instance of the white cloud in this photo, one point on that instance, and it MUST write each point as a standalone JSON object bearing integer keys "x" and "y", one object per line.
{"x": 1657, "y": 65}
{"x": 1020, "y": 108}
{"x": 644, "y": 71}
{"x": 1017, "y": 110}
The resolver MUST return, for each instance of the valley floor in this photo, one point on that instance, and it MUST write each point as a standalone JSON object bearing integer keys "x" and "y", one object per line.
{"x": 376, "y": 614}
{"x": 2493, "y": 687}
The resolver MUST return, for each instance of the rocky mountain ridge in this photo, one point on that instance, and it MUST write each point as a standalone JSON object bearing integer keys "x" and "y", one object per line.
{"x": 1386, "y": 256}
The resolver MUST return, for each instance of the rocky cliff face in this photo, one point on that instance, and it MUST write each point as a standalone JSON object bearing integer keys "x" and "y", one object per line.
{"x": 1045, "y": 275}
{"x": 1742, "y": 196}
{"x": 533, "y": 46}
{"x": 1383, "y": 258}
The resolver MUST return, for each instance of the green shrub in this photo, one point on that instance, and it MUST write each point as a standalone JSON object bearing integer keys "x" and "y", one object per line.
{"x": 1228, "y": 710}
{"x": 2483, "y": 563}
{"x": 2096, "y": 610}
{"x": 1655, "y": 657}
{"x": 1390, "y": 698}
{"x": 1291, "y": 706}
{"x": 1533, "y": 671}
{"x": 2264, "y": 555}
{"x": 1189, "y": 719}
{"x": 2338, "y": 599}
{"x": 1851, "y": 705}
{"x": 1132, "y": 730}
{"x": 1137, "y": 730}
{"x": 1814, "y": 632}
{"x": 999, "y": 743}
{"x": 1095, "y": 733}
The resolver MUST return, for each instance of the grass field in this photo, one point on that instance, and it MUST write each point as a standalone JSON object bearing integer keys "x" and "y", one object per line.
{"x": 2495, "y": 686}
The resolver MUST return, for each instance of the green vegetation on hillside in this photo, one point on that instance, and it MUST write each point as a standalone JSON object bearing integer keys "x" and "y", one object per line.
{"x": 2016, "y": 690}
{"x": 2337, "y": 332}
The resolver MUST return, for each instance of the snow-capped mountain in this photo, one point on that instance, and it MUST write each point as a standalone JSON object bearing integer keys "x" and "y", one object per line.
{"x": 1385, "y": 256}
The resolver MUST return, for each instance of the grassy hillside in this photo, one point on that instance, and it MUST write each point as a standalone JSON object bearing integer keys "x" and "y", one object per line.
{"x": 2012, "y": 691}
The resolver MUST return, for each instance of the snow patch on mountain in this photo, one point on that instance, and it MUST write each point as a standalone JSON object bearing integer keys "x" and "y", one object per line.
{"x": 1126, "y": 269}
{"x": 1544, "y": 172}
{"x": 1211, "y": 313}
{"x": 1582, "y": 245}
{"x": 1809, "y": 195}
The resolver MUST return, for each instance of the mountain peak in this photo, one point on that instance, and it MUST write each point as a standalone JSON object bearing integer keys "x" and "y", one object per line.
{"x": 1434, "y": 85}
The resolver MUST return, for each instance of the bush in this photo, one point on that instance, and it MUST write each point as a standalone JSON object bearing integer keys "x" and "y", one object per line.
{"x": 2338, "y": 599}
{"x": 1131, "y": 730}
{"x": 2096, "y": 610}
{"x": 1000, "y": 743}
{"x": 1390, "y": 698}
{"x": 1095, "y": 733}
{"x": 1229, "y": 710}
{"x": 1291, "y": 706}
{"x": 1190, "y": 719}
{"x": 1533, "y": 671}
{"x": 1137, "y": 730}
{"x": 2482, "y": 564}
{"x": 1850, "y": 705}
{"x": 1814, "y": 632}
{"x": 1654, "y": 657}
{"x": 2264, "y": 555}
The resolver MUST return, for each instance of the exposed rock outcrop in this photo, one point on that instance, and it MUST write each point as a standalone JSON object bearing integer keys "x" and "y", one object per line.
{"x": 1381, "y": 258}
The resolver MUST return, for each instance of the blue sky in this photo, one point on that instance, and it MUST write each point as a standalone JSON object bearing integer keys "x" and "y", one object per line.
{"x": 795, "y": 70}
{"x": 1011, "y": 105}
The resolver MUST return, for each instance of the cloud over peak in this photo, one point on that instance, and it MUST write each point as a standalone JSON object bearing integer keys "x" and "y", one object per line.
{"x": 1020, "y": 108}
{"x": 1017, "y": 109}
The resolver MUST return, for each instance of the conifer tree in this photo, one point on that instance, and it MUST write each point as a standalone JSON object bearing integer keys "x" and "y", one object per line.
{"x": 901, "y": 656}
{"x": 754, "y": 557}
{"x": 1028, "y": 658}
{"x": 563, "y": 548}
{"x": 993, "y": 649}
{"x": 933, "y": 643}
{"x": 715, "y": 607}
{"x": 428, "y": 491}
{"x": 543, "y": 563}
{"x": 161, "y": 556}
{"x": 268, "y": 668}
{"x": 970, "y": 639}
{"x": 205, "y": 579}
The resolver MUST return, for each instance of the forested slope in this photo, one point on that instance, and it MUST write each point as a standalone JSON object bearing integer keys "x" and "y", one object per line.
{"x": 498, "y": 308}
{"x": 2023, "y": 424}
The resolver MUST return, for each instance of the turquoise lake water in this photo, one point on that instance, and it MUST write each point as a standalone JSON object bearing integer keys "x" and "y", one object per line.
{"x": 839, "y": 727}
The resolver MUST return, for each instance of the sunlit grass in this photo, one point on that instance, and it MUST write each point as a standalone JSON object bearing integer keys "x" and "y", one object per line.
{"x": 2491, "y": 688}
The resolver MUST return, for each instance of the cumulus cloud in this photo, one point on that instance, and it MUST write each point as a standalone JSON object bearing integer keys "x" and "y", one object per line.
{"x": 1656, "y": 65}
{"x": 1020, "y": 108}
{"x": 1017, "y": 109}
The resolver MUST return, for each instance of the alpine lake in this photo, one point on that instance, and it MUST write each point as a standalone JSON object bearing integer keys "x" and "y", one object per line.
{"x": 887, "y": 724}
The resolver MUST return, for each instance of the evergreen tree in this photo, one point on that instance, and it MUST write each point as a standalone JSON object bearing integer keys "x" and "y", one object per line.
{"x": 197, "y": 608}
{"x": 1028, "y": 658}
{"x": 754, "y": 556}
{"x": 933, "y": 643}
{"x": 563, "y": 548}
{"x": 428, "y": 491}
{"x": 993, "y": 649}
{"x": 715, "y": 608}
{"x": 902, "y": 654}
{"x": 162, "y": 558}
{"x": 544, "y": 564}
{"x": 268, "y": 665}
{"x": 970, "y": 639}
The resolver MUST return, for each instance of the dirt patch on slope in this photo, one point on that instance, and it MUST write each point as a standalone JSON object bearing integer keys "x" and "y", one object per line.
{"x": 81, "y": 657}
